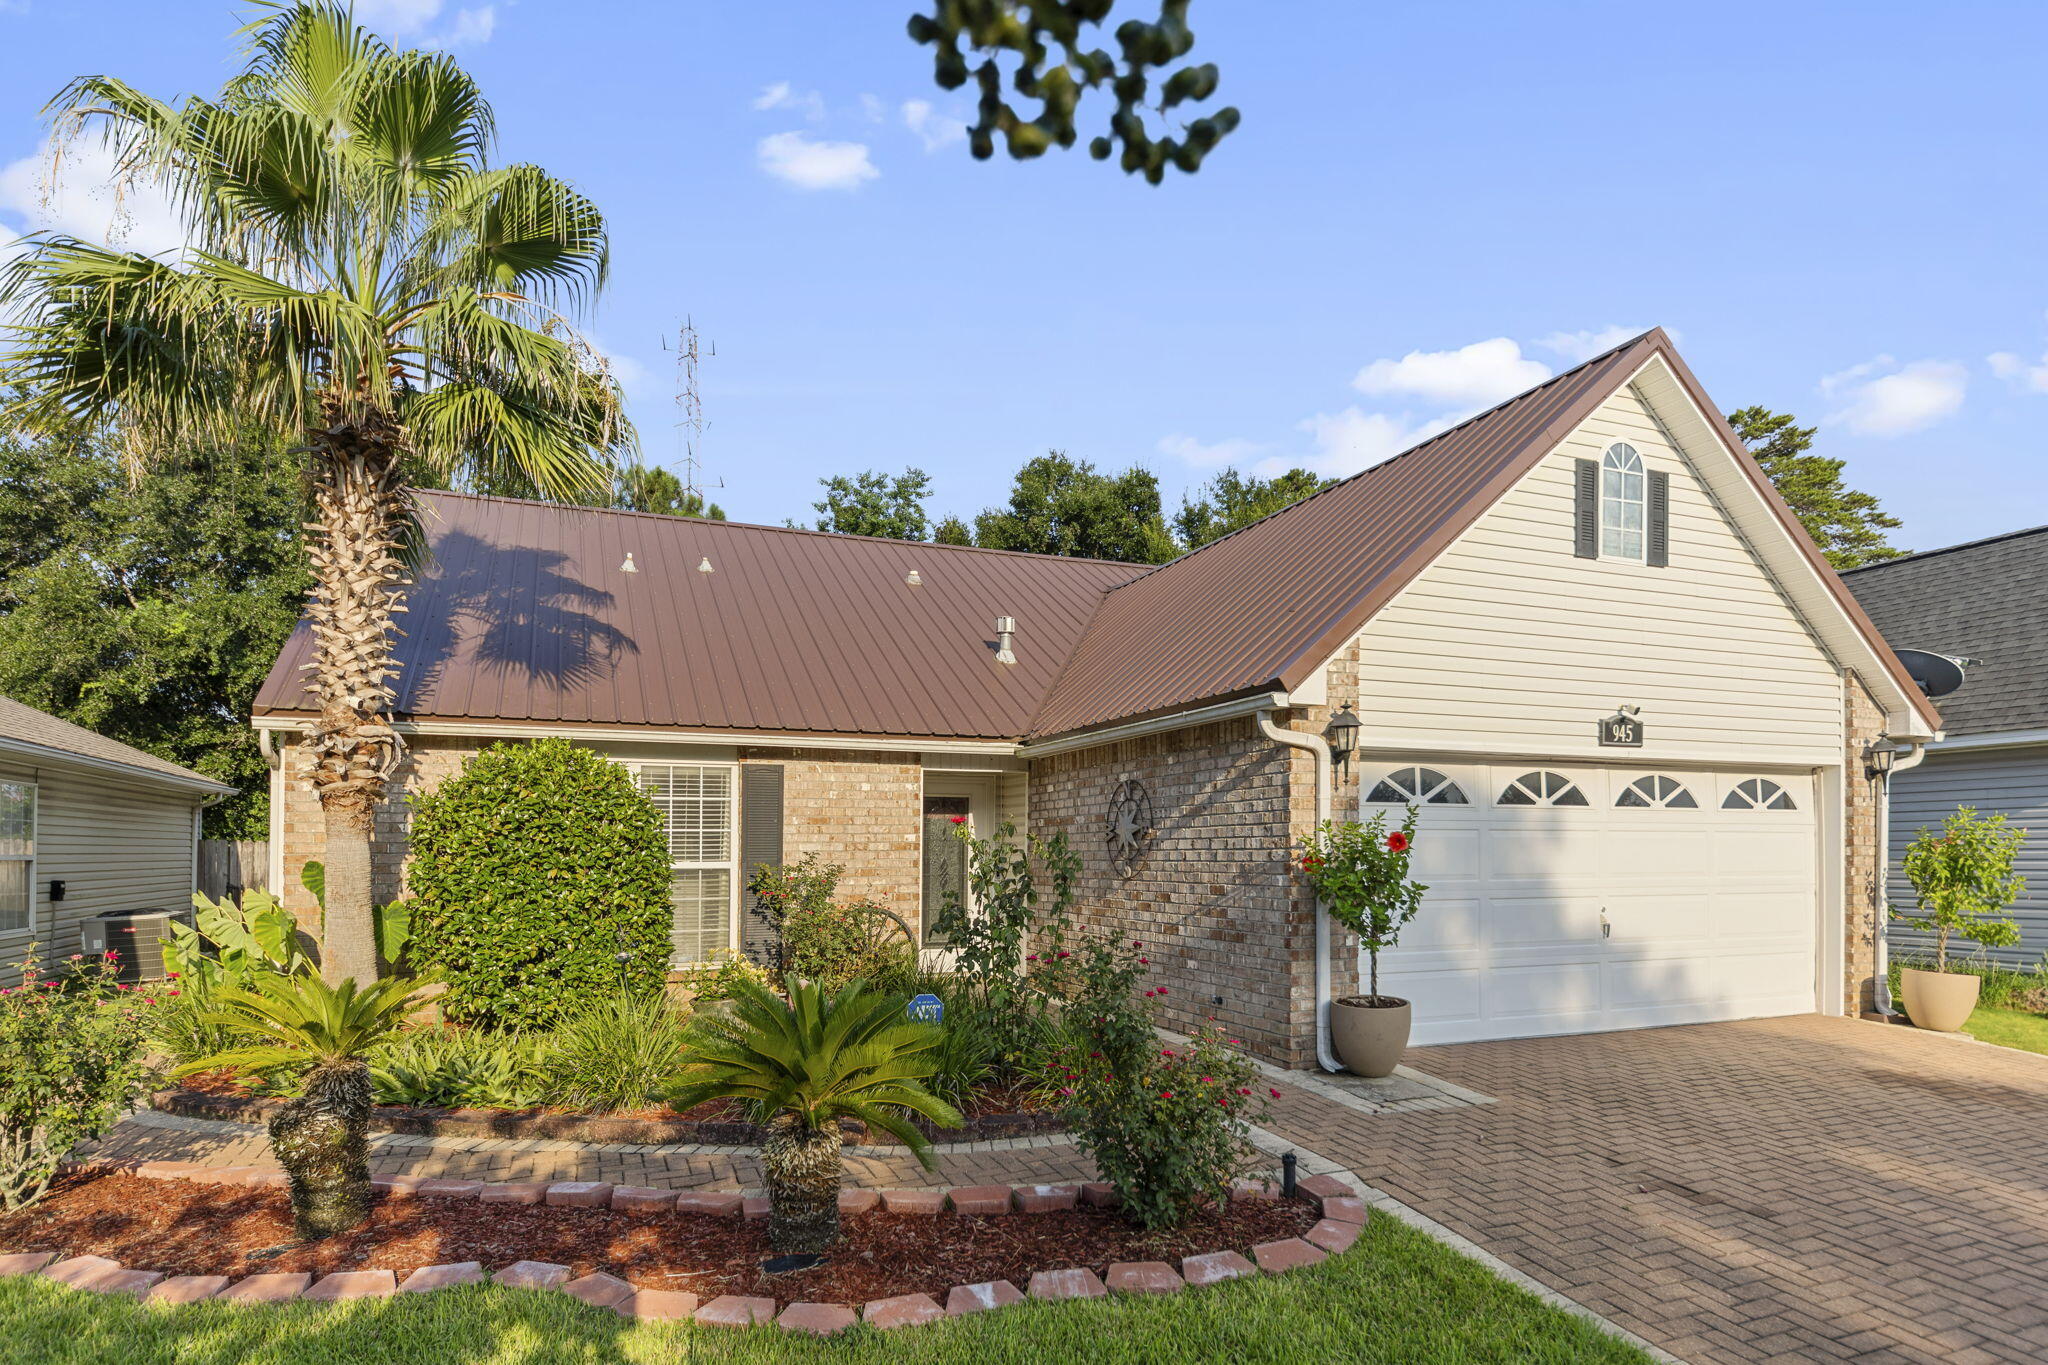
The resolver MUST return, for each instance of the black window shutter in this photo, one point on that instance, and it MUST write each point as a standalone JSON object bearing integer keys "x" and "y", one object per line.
{"x": 760, "y": 846}
{"x": 1586, "y": 509}
{"x": 1658, "y": 517}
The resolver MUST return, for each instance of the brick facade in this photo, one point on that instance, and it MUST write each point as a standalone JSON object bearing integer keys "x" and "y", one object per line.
{"x": 1228, "y": 927}
{"x": 1862, "y": 891}
{"x": 862, "y": 810}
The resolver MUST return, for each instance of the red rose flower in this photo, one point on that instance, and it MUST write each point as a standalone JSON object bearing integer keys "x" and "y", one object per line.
{"x": 1397, "y": 842}
{"x": 959, "y": 819}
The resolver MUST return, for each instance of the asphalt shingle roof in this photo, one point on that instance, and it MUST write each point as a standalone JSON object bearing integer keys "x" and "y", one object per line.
{"x": 45, "y": 731}
{"x": 1983, "y": 601}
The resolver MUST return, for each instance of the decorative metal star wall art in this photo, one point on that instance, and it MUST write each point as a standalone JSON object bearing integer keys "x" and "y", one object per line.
{"x": 1129, "y": 831}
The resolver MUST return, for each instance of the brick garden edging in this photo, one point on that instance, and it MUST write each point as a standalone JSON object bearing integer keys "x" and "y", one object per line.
{"x": 1343, "y": 1218}
{"x": 422, "y": 1121}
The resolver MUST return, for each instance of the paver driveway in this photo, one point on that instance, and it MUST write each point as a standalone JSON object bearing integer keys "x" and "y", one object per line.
{"x": 1804, "y": 1188}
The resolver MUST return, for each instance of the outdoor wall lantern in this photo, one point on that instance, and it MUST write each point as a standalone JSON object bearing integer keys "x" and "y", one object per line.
{"x": 1342, "y": 732}
{"x": 1879, "y": 756}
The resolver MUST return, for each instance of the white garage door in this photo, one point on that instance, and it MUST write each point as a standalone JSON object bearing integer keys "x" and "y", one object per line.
{"x": 1570, "y": 899}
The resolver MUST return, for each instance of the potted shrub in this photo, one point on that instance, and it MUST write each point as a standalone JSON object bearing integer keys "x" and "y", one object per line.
{"x": 1360, "y": 872}
{"x": 1962, "y": 877}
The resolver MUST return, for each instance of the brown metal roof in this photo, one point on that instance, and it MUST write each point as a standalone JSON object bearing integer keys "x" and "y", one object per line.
{"x": 523, "y": 614}
{"x": 1261, "y": 608}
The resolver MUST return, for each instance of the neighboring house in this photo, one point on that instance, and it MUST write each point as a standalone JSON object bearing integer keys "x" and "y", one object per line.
{"x": 1982, "y": 602}
{"x": 88, "y": 825}
{"x": 1486, "y": 602}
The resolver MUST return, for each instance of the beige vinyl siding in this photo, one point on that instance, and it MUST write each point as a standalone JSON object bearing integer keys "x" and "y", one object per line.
{"x": 1013, "y": 801}
{"x": 115, "y": 845}
{"x": 1510, "y": 643}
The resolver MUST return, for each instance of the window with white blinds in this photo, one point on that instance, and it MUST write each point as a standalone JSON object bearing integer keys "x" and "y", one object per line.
{"x": 696, "y": 805}
{"x": 17, "y": 854}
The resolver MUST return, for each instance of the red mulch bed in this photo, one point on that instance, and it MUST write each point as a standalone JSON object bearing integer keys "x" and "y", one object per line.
{"x": 183, "y": 1228}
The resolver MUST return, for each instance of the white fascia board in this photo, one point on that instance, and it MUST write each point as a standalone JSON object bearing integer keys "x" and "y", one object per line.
{"x": 1770, "y": 538}
{"x": 596, "y": 734}
{"x": 44, "y": 754}
{"x": 1175, "y": 720}
{"x": 1991, "y": 739}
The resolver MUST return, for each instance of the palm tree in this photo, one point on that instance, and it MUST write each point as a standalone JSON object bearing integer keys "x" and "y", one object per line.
{"x": 321, "y": 1137}
{"x": 799, "y": 1068}
{"x": 358, "y": 273}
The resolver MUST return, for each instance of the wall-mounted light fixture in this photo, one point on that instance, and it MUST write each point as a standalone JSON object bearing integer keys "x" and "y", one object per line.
{"x": 1342, "y": 733}
{"x": 1878, "y": 757}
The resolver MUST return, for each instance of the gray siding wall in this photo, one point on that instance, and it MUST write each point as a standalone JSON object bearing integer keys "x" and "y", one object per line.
{"x": 115, "y": 845}
{"x": 2011, "y": 782}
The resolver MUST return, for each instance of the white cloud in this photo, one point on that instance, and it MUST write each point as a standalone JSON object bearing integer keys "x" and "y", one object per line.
{"x": 935, "y": 130}
{"x": 1234, "y": 450}
{"x": 410, "y": 19}
{"x": 1881, "y": 397}
{"x": 1480, "y": 374}
{"x": 1351, "y": 440}
{"x": 79, "y": 196}
{"x": 782, "y": 95}
{"x": 2026, "y": 377}
{"x": 1579, "y": 347}
{"x": 812, "y": 164}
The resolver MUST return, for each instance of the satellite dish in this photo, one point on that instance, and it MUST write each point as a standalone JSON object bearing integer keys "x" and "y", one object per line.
{"x": 1937, "y": 674}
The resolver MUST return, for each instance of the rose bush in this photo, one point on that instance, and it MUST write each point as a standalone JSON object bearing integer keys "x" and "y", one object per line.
{"x": 70, "y": 1064}
{"x": 1361, "y": 872}
{"x": 1168, "y": 1124}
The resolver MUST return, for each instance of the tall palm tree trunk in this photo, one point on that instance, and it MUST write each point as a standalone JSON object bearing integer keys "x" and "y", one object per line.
{"x": 360, "y": 513}
{"x": 321, "y": 1140}
{"x": 802, "y": 1166}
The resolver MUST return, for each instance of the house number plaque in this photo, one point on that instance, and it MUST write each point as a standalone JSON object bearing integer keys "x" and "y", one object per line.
{"x": 1622, "y": 730}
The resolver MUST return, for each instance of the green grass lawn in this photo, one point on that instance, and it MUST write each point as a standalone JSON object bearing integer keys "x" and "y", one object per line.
{"x": 1396, "y": 1296}
{"x": 2008, "y": 1028}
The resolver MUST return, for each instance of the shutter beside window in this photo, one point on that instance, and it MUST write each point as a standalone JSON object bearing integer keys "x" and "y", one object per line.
{"x": 1658, "y": 515}
{"x": 760, "y": 845}
{"x": 1586, "y": 509}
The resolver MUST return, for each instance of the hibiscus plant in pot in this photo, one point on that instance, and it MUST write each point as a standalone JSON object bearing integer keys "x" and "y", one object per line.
{"x": 1360, "y": 873}
{"x": 1962, "y": 876}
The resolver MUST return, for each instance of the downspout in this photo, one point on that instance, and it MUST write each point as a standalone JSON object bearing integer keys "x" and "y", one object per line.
{"x": 1319, "y": 750}
{"x": 1881, "y": 984}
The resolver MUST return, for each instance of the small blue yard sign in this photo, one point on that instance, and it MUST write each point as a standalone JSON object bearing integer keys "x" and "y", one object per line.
{"x": 927, "y": 1009}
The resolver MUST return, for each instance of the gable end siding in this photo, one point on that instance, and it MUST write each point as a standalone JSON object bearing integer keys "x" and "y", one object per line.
{"x": 1513, "y": 642}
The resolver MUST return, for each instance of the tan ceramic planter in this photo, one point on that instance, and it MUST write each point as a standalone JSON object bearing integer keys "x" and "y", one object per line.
{"x": 1369, "y": 1039}
{"x": 1941, "y": 1001}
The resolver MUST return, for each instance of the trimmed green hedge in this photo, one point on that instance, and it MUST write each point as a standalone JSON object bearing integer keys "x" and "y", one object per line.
{"x": 532, "y": 869}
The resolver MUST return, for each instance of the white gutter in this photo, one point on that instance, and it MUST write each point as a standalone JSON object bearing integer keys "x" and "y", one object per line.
{"x": 485, "y": 729}
{"x": 44, "y": 753}
{"x": 1319, "y": 750}
{"x": 1178, "y": 720}
{"x": 1881, "y": 986}
{"x": 1994, "y": 739}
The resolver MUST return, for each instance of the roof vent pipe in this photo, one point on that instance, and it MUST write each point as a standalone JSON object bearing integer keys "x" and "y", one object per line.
{"x": 1006, "y": 634}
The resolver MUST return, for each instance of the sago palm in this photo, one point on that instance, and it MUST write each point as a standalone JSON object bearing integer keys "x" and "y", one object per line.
{"x": 801, "y": 1066}
{"x": 360, "y": 274}
{"x": 321, "y": 1137}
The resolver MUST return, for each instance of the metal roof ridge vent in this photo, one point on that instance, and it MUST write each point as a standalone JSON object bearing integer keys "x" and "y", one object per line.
{"x": 1006, "y": 634}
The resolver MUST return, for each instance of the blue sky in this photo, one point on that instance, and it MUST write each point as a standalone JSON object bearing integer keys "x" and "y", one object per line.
{"x": 1838, "y": 208}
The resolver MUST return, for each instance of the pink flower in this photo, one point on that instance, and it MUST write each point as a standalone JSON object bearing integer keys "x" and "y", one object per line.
{"x": 1208, "y": 1080}
{"x": 1063, "y": 954}
{"x": 1162, "y": 990}
{"x": 1136, "y": 944}
{"x": 1067, "y": 1090}
{"x": 1274, "y": 1093}
{"x": 1166, "y": 1052}
{"x": 78, "y": 957}
{"x": 1144, "y": 962}
{"x": 1242, "y": 1091}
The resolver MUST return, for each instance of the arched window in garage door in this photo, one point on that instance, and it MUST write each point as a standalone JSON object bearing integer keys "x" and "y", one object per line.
{"x": 1542, "y": 789}
{"x": 1758, "y": 793}
{"x": 1423, "y": 786}
{"x": 1657, "y": 792}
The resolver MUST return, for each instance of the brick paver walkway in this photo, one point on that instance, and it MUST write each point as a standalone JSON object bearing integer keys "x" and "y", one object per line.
{"x": 1805, "y": 1189}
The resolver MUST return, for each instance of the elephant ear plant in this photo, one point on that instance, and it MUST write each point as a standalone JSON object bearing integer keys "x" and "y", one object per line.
{"x": 801, "y": 1066}
{"x": 291, "y": 1022}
